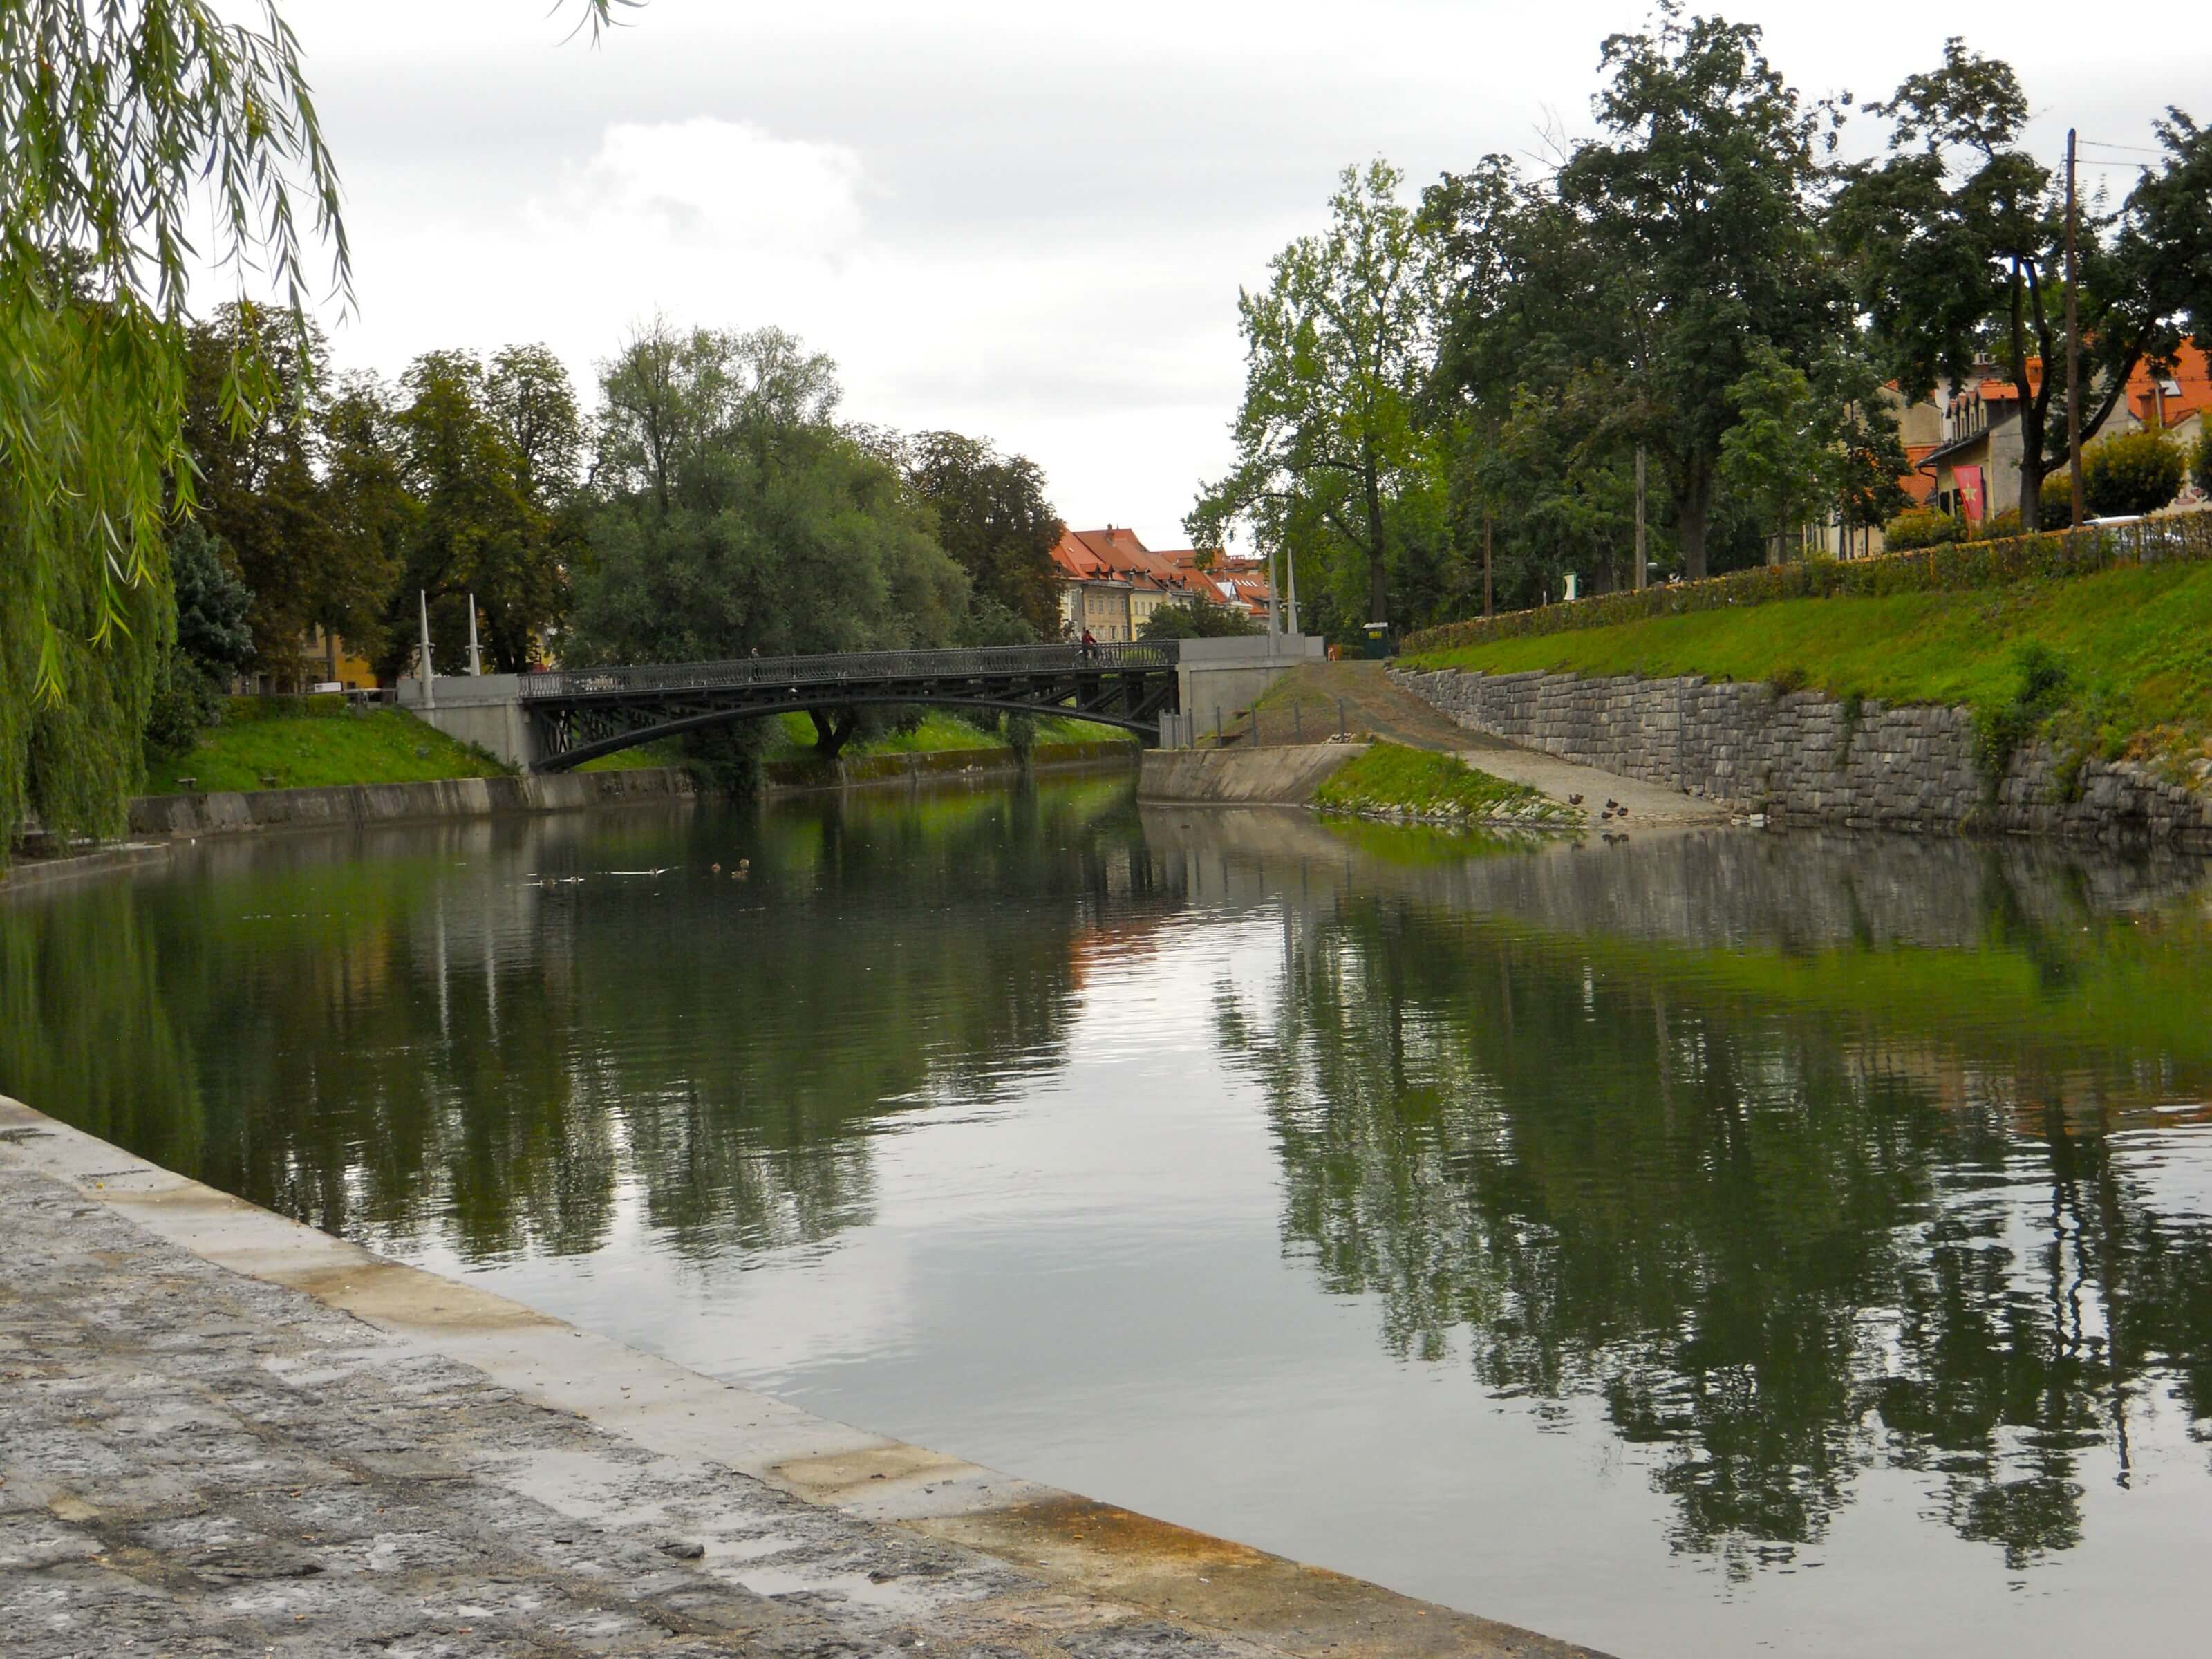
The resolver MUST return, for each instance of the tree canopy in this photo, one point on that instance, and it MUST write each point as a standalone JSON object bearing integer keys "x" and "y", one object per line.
{"x": 1333, "y": 463}
{"x": 740, "y": 518}
{"x": 1699, "y": 307}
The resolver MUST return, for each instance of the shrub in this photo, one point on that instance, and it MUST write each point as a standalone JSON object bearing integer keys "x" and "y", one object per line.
{"x": 2137, "y": 473}
{"x": 2054, "y": 507}
{"x": 1195, "y": 619}
{"x": 2000, "y": 526}
{"x": 2202, "y": 469}
{"x": 1922, "y": 526}
{"x": 1999, "y": 732}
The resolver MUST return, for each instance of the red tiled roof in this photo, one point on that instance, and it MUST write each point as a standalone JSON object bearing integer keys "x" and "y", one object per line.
{"x": 1117, "y": 555}
{"x": 2192, "y": 377}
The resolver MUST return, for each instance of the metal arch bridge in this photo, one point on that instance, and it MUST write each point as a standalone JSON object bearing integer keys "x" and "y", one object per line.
{"x": 575, "y": 715}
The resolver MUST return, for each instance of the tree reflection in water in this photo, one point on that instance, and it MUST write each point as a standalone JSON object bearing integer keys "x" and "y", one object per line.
{"x": 1775, "y": 1248}
{"x": 422, "y": 1046}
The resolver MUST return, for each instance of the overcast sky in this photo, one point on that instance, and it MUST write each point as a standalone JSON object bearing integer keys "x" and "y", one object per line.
{"x": 1024, "y": 221}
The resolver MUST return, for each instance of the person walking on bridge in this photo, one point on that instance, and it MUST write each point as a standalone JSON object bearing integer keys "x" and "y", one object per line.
{"x": 1089, "y": 647}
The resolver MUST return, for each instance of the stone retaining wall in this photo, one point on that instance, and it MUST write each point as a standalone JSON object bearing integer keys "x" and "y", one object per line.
{"x": 1802, "y": 756}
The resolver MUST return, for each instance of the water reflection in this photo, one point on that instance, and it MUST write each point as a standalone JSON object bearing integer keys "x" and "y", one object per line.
{"x": 443, "y": 1034}
{"x": 1780, "y": 1243}
{"x": 1789, "y": 1174}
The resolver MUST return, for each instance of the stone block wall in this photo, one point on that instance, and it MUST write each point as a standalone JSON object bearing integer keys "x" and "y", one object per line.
{"x": 1800, "y": 756}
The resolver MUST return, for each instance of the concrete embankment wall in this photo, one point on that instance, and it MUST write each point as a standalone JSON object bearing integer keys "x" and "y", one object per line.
{"x": 222, "y": 813}
{"x": 1284, "y": 777}
{"x": 229, "y": 812}
{"x": 1805, "y": 756}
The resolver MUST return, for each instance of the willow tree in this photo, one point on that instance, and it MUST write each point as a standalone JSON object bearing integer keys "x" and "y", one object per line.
{"x": 122, "y": 122}
{"x": 125, "y": 121}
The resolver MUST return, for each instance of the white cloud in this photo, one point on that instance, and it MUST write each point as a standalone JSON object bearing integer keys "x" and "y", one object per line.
{"x": 706, "y": 189}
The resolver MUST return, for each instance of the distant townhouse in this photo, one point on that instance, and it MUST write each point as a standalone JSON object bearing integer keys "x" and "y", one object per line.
{"x": 1111, "y": 583}
{"x": 1975, "y": 470}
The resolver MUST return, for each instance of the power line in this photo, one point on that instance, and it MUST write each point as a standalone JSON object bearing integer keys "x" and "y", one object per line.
{"x": 2140, "y": 149}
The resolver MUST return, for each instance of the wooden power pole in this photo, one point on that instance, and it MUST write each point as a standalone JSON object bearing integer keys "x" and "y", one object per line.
{"x": 2073, "y": 340}
{"x": 1643, "y": 551}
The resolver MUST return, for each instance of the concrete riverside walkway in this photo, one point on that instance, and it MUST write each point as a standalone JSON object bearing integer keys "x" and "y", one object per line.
{"x": 222, "y": 1433}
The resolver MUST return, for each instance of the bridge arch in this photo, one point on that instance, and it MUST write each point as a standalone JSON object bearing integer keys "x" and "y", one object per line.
{"x": 615, "y": 742}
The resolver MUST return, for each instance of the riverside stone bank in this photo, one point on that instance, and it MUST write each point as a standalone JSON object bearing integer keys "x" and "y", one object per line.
{"x": 1806, "y": 757}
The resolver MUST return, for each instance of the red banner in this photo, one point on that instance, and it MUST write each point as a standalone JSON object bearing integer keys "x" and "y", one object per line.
{"x": 1969, "y": 480}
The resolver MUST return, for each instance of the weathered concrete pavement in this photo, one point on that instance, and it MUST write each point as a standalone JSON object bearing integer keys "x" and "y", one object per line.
{"x": 196, "y": 1459}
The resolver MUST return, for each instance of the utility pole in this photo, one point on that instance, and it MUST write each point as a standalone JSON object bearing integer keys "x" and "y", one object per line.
{"x": 476, "y": 658}
{"x": 2073, "y": 341}
{"x": 1643, "y": 548}
{"x": 429, "y": 674}
{"x": 1488, "y": 609}
{"x": 1290, "y": 563}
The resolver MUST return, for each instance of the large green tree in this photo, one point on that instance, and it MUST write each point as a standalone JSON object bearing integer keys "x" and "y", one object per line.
{"x": 1699, "y": 205}
{"x": 1957, "y": 238}
{"x": 738, "y": 517}
{"x": 1334, "y": 466}
{"x": 993, "y": 517}
{"x": 257, "y": 471}
{"x": 475, "y": 527}
{"x": 127, "y": 128}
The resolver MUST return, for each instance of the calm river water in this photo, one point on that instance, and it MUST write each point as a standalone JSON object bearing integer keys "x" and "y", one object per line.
{"x": 1686, "y": 1247}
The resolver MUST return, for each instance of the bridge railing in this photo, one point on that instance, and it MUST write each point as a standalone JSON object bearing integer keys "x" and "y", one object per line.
{"x": 865, "y": 665}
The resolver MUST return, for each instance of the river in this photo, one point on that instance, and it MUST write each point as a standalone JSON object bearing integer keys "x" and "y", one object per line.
{"x": 1688, "y": 1245}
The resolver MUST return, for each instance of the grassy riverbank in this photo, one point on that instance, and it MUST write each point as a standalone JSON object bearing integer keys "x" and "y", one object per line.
{"x": 301, "y": 743}
{"x": 1422, "y": 783}
{"x": 2136, "y": 644}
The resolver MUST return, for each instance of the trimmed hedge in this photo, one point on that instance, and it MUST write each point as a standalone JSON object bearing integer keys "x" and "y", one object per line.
{"x": 319, "y": 705}
{"x": 2185, "y": 537}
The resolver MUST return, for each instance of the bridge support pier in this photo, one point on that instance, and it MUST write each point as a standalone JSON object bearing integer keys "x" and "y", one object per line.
{"x": 484, "y": 709}
{"x": 1234, "y": 673}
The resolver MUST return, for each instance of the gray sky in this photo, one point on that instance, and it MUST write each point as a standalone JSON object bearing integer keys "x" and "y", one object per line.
{"x": 1023, "y": 220}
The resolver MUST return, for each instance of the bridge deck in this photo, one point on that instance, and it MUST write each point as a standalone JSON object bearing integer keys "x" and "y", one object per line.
{"x": 578, "y": 713}
{"x": 872, "y": 667}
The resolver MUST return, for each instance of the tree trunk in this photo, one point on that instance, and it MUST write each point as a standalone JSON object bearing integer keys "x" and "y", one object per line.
{"x": 833, "y": 729}
{"x": 2031, "y": 412}
{"x": 1693, "y": 508}
{"x": 1378, "y": 579}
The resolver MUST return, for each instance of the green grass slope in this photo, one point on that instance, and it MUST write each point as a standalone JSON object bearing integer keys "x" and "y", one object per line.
{"x": 2137, "y": 644}
{"x": 1390, "y": 778}
{"x": 316, "y": 749}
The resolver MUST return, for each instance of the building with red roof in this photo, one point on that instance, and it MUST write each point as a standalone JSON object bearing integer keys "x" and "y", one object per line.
{"x": 1111, "y": 583}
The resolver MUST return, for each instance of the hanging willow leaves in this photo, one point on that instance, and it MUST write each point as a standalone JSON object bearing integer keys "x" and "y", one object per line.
{"x": 126, "y": 128}
{"x": 128, "y": 124}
